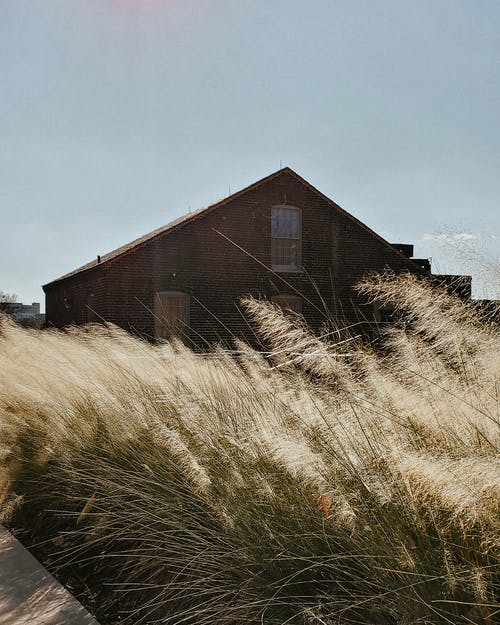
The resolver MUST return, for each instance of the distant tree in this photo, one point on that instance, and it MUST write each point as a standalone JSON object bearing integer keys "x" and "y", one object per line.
{"x": 6, "y": 299}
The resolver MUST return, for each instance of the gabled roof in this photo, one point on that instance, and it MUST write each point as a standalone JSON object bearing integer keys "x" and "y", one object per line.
{"x": 190, "y": 217}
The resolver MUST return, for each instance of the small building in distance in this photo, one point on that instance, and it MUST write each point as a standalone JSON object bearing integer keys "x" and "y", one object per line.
{"x": 280, "y": 239}
{"x": 26, "y": 314}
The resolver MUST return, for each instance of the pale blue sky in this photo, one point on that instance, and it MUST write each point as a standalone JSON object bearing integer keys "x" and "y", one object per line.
{"x": 118, "y": 115}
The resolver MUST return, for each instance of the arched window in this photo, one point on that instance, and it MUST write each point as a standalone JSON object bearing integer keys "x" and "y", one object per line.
{"x": 171, "y": 314}
{"x": 286, "y": 238}
{"x": 287, "y": 302}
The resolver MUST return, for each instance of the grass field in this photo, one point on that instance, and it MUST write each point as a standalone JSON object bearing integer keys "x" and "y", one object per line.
{"x": 330, "y": 483}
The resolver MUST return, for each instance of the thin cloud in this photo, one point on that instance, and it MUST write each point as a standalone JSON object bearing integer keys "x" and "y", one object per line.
{"x": 459, "y": 236}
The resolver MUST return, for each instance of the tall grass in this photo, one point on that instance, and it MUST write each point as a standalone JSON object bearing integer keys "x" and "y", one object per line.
{"x": 329, "y": 483}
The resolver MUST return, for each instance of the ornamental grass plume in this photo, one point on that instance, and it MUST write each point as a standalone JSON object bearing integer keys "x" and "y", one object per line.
{"x": 323, "y": 483}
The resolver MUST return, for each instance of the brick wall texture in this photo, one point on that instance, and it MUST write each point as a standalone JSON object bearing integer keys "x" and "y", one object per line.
{"x": 224, "y": 254}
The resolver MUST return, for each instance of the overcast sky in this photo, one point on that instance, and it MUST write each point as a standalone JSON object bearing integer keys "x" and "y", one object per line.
{"x": 118, "y": 115}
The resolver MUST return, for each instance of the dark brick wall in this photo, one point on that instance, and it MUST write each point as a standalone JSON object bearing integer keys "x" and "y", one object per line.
{"x": 336, "y": 252}
{"x": 80, "y": 299}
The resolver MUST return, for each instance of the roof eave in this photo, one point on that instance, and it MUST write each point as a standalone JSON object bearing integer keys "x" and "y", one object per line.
{"x": 145, "y": 240}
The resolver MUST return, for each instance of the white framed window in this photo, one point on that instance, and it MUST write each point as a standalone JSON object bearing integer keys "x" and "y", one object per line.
{"x": 288, "y": 302}
{"x": 286, "y": 238}
{"x": 171, "y": 314}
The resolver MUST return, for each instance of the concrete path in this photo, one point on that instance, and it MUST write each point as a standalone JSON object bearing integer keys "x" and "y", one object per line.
{"x": 29, "y": 595}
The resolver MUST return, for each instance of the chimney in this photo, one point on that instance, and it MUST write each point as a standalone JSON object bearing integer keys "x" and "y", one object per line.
{"x": 404, "y": 248}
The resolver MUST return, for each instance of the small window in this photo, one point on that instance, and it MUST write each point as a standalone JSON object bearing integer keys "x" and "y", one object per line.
{"x": 90, "y": 308}
{"x": 288, "y": 302}
{"x": 171, "y": 314}
{"x": 286, "y": 235}
{"x": 91, "y": 314}
{"x": 383, "y": 313}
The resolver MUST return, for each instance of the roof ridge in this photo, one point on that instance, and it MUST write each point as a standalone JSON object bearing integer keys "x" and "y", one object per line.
{"x": 350, "y": 216}
{"x": 192, "y": 216}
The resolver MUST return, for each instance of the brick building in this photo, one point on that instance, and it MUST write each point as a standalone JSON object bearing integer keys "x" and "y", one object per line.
{"x": 25, "y": 314}
{"x": 279, "y": 239}
{"x": 22, "y": 311}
